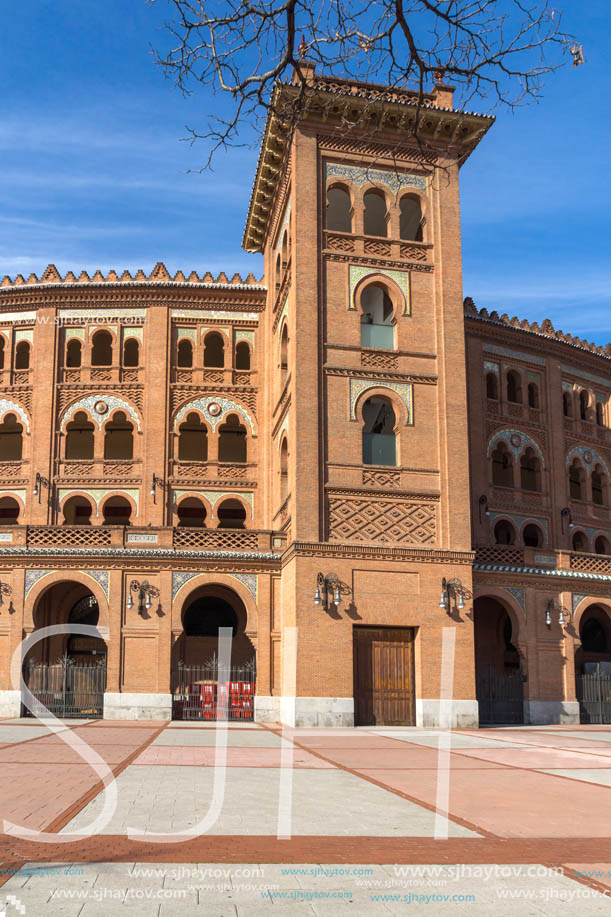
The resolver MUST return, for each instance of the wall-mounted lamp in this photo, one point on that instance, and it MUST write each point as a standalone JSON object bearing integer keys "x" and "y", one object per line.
{"x": 555, "y": 606}
{"x": 452, "y": 590}
{"x": 5, "y": 589}
{"x": 566, "y": 517}
{"x": 483, "y": 507}
{"x": 144, "y": 591}
{"x": 330, "y": 586}
{"x": 156, "y": 482}
{"x": 39, "y": 483}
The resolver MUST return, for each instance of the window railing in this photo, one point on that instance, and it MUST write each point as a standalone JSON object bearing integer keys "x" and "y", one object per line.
{"x": 379, "y": 336}
{"x": 379, "y": 449}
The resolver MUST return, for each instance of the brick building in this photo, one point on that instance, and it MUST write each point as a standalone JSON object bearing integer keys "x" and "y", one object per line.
{"x": 341, "y": 448}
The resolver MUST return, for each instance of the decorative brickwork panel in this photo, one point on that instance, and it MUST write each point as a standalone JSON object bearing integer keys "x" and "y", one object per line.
{"x": 591, "y": 563}
{"x": 118, "y": 469}
{"x": 129, "y": 375}
{"x": 101, "y": 375}
{"x": 382, "y": 478}
{"x": 375, "y": 247}
{"x": 214, "y": 376}
{"x": 72, "y": 375}
{"x": 22, "y": 377}
{"x": 413, "y": 253}
{"x": 498, "y": 554}
{"x": 379, "y": 360}
{"x": 184, "y": 375}
{"x": 204, "y": 539}
{"x": 78, "y": 469}
{"x": 385, "y": 521}
{"x": 82, "y": 536}
{"x": 10, "y": 470}
{"x": 340, "y": 243}
{"x": 190, "y": 469}
{"x": 232, "y": 471}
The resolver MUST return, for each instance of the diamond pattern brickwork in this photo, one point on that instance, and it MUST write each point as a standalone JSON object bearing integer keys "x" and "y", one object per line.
{"x": 387, "y": 521}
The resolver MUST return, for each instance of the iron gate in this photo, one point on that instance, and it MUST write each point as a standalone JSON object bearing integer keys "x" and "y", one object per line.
{"x": 594, "y": 695}
{"x": 500, "y": 697}
{"x": 204, "y": 692}
{"x": 66, "y": 689}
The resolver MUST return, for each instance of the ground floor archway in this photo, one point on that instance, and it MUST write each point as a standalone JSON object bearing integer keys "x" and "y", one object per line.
{"x": 593, "y": 665}
{"x": 498, "y": 672}
{"x": 201, "y": 689}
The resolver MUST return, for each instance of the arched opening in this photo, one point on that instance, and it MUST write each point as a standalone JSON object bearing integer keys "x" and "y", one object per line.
{"x": 131, "y": 352}
{"x": 502, "y": 466}
{"x": 9, "y": 511}
{"x": 514, "y": 387}
{"x": 74, "y": 354}
{"x": 117, "y": 511}
{"x": 232, "y": 440}
{"x": 580, "y": 542}
{"x": 101, "y": 351}
{"x": 339, "y": 209}
{"x": 601, "y": 545}
{"x": 284, "y": 471}
{"x": 285, "y": 249}
{"x": 2, "y": 352}
{"x": 567, "y": 404}
{"x": 532, "y": 536}
{"x": 278, "y": 271}
{"x": 22, "y": 355}
{"x": 497, "y": 664}
{"x": 66, "y": 673}
{"x": 191, "y": 513}
{"x": 200, "y": 689}
{"x": 377, "y": 317}
{"x": 584, "y": 402}
{"x": 242, "y": 356}
{"x": 530, "y": 470}
{"x": 593, "y": 666}
{"x": 504, "y": 532}
{"x": 374, "y": 218}
{"x": 492, "y": 386}
{"x": 184, "y": 356}
{"x": 11, "y": 439}
{"x": 599, "y": 486}
{"x": 214, "y": 350}
{"x": 533, "y": 395}
{"x": 193, "y": 439}
{"x": 284, "y": 354}
{"x": 77, "y": 510}
{"x": 79, "y": 437}
{"x": 378, "y": 435}
{"x": 119, "y": 438}
{"x": 577, "y": 481}
{"x": 231, "y": 515}
{"x": 600, "y": 414}
{"x": 410, "y": 218}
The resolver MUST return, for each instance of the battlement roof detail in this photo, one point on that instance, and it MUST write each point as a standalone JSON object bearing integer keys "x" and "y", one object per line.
{"x": 159, "y": 275}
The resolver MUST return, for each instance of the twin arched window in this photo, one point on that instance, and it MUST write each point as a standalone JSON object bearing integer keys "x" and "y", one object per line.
{"x": 375, "y": 213}
{"x": 529, "y": 467}
{"x": 505, "y": 534}
{"x": 118, "y": 438}
{"x": 193, "y": 440}
{"x": 78, "y": 510}
{"x": 192, "y": 513}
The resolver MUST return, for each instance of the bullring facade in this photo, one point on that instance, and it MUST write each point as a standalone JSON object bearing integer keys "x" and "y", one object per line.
{"x": 341, "y": 462}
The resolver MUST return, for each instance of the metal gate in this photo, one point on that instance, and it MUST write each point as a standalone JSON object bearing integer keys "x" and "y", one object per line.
{"x": 206, "y": 692}
{"x": 65, "y": 689}
{"x": 500, "y": 697}
{"x": 594, "y": 695}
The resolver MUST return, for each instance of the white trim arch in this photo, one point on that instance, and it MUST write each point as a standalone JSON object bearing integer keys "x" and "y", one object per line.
{"x": 10, "y": 407}
{"x": 89, "y": 403}
{"x": 227, "y": 407}
{"x": 588, "y": 457}
{"x": 515, "y": 446}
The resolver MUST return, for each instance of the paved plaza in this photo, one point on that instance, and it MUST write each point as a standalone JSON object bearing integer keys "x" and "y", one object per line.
{"x": 528, "y": 828}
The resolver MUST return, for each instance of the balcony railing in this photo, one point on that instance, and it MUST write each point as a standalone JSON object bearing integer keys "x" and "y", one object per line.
{"x": 381, "y": 337}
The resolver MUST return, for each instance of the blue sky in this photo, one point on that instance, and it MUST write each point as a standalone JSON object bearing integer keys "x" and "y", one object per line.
{"x": 94, "y": 174}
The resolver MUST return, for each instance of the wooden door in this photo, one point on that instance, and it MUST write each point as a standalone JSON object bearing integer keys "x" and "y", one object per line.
{"x": 384, "y": 676}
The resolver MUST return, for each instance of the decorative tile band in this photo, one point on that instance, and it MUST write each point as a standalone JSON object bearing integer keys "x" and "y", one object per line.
{"x": 403, "y": 389}
{"x": 128, "y": 332}
{"x": 137, "y": 316}
{"x": 516, "y": 442}
{"x": 516, "y": 354}
{"x": 32, "y": 577}
{"x": 208, "y": 406}
{"x": 71, "y": 332}
{"x": 180, "y": 578}
{"x": 246, "y": 336}
{"x": 589, "y": 457}
{"x": 100, "y": 407}
{"x": 24, "y": 334}
{"x": 491, "y": 367}
{"x": 7, "y": 318}
{"x": 360, "y": 175}
{"x": 190, "y": 333}
{"x": 518, "y": 595}
{"x": 401, "y": 278}
{"x": 224, "y": 315}
{"x": 577, "y": 598}
{"x": 597, "y": 380}
{"x": 6, "y": 405}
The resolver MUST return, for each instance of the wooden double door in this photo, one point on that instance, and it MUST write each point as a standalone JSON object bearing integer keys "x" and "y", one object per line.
{"x": 384, "y": 676}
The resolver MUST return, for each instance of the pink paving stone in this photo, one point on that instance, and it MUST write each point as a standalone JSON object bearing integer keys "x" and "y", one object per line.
{"x": 511, "y": 804}
{"x": 410, "y": 757}
{"x": 131, "y": 737}
{"x": 356, "y": 740}
{"x": 540, "y": 757}
{"x": 43, "y": 752}
{"x": 128, "y": 724}
{"x": 545, "y": 739}
{"x": 236, "y": 757}
{"x": 34, "y": 796}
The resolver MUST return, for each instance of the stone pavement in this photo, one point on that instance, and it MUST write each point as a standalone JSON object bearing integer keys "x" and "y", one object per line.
{"x": 528, "y": 829}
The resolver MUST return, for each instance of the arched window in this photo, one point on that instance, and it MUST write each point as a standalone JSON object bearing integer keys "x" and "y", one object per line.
{"x": 9, "y": 511}
{"x": 242, "y": 356}
{"x": 567, "y": 404}
{"x": 492, "y": 386}
{"x": 374, "y": 218}
{"x": 601, "y": 545}
{"x": 377, "y": 317}
{"x": 2, "y": 351}
{"x": 577, "y": 481}
{"x": 131, "y": 352}
{"x": 117, "y": 511}
{"x": 74, "y": 353}
{"x": 77, "y": 511}
{"x": 285, "y": 249}
{"x": 284, "y": 354}
{"x": 600, "y": 414}
{"x": 119, "y": 437}
{"x": 584, "y": 402}
{"x": 378, "y": 436}
{"x": 532, "y": 536}
{"x": 191, "y": 513}
{"x": 231, "y": 515}
{"x": 184, "y": 357}
{"x": 514, "y": 387}
{"x": 530, "y": 470}
{"x": 533, "y": 395}
{"x": 599, "y": 486}
{"x": 284, "y": 471}
{"x": 504, "y": 532}
{"x": 101, "y": 352}
{"x": 193, "y": 440}
{"x": 11, "y": 439}
{"x": 232, "y": 440}
{"x": 410, "y": 218}
{"x": 214, "y": 350}
{"x": 502, "y": 466}
{"x": 339, "y": 216}
{"x": 79, "y": 437}
{"x": 580, "y": 542}
{"x": 22, "y": 355}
